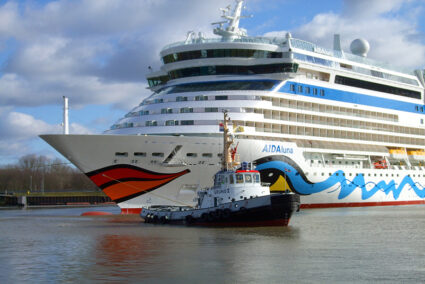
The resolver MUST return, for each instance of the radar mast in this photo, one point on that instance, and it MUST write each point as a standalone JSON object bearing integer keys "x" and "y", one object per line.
{"x": 232, "y": 30}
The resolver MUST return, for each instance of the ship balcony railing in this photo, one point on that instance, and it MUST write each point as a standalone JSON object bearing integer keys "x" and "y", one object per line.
{"x": 322, "y": 110}
{"x": 266, "y": 40}
{"x": 229, "y": 98}
{"x": 308, "y": 46}
{"x": 357, "y": 125}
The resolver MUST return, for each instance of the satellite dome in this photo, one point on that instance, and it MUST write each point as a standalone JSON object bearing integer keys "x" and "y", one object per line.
{"x": 360, "y": 47}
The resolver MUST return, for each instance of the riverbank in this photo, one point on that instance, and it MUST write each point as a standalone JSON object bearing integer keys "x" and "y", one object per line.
{"x": 55, "y": 199}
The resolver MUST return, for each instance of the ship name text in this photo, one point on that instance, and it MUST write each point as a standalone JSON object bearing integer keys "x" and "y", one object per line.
{"x": 272, "y": 148}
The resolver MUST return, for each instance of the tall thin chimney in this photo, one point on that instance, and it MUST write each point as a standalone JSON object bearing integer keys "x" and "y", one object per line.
{"x": 65, "y": 116}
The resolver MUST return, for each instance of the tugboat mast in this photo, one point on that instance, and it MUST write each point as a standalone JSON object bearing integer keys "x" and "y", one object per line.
{"x": 227, "y": 161}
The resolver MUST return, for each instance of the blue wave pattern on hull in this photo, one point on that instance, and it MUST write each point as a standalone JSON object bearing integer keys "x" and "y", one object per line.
{"x": 346, "y": 186}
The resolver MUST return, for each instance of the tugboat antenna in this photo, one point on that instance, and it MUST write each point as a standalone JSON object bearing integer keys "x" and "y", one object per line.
{"x": 227, "y": 161}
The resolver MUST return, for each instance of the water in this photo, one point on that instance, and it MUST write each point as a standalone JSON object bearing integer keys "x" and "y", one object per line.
{"x": 350, "y": 245}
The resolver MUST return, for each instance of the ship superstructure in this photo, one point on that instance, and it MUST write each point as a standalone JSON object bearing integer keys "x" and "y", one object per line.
{"x": 337, "y": 127}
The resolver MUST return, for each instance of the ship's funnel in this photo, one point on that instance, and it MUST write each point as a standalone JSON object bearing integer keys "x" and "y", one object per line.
{"x": 337, "y": 42}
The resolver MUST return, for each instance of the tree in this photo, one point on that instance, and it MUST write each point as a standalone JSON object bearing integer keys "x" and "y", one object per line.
{"x": 41, "y": 174}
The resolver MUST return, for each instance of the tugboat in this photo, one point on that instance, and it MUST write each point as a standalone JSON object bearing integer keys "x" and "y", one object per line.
{"x": 238, "y": 198}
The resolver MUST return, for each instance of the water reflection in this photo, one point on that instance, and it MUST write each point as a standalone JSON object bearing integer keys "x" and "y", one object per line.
{"x": 119, "y": 257}
{"x": 324, "y": 246}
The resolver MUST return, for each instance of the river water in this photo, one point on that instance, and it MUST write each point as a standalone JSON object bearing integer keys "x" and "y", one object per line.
{"x": 350, "y": 245}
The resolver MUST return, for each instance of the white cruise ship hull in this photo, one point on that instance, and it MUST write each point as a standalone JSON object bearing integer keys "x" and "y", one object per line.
{"x": 138, "y": 170}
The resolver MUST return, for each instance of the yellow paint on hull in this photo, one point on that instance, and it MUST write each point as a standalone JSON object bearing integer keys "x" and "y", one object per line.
{"x": 280, "y": 185}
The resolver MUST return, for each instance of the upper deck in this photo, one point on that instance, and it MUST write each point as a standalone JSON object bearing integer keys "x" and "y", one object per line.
{"x": 282, "y": 43}
{"x": 234, "y": 50}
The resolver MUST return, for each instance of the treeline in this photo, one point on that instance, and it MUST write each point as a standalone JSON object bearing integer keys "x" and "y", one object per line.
{"x": 40, "y": 174}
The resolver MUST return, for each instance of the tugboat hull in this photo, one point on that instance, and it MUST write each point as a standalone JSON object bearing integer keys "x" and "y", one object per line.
{"x": 271, "y": 210}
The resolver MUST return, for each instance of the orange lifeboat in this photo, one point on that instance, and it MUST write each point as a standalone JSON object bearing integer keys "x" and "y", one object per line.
{"x": 381, "y": 164}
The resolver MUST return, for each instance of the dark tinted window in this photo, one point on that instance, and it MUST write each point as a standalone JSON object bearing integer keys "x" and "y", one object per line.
{"x": 211, "y": 53}
{"x": 376, "y": 87}
{"x": 220, "y": 86}
{"x": 233, "y": 69}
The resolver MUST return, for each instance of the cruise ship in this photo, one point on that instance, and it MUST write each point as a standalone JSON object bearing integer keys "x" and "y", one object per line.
{"x": 334, "y": 126}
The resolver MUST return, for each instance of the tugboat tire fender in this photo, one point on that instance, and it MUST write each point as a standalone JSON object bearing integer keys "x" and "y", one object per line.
{"x": 204, "y": 217}
{"x": 212, "y": 216}
{"x": 219, "y": 214}
{"x": 226, "y": 213}
{"x": 155, "y": 219}
{"x": 189, "y": 219}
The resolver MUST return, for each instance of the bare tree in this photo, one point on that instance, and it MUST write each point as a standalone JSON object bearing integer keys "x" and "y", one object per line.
{"x": 41, "y": 174}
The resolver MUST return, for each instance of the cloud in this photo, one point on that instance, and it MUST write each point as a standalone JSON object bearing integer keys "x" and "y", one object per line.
{"x": 21, "y": 126}
{"x": 94, "y": 52}
{"x": 389, "y": 26}
{"x": 19, "y": 130}
{"x": 368, "y": 8}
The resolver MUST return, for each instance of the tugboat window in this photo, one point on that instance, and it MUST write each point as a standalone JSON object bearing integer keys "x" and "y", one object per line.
{"x": 257, "y": 178}
{"x": 239, "y": 178}
{"x": 248, "y": 178}
{"x": 231, "y": 179}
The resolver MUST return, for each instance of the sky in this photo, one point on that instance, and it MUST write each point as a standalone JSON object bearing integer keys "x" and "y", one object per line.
{"x": 97, "y": 52}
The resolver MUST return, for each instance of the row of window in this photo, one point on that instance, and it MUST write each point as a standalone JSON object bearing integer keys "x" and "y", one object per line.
{"x": 220, "y": 86}
{"x": 233, "y": 70}
{"x": 376, "y": 87}
{"x": 419, "y": 108}
{"x": 160, "y": 80}
{"x": 161, "y": 154}
{"x": 297, "y": 43}
{"x": 237, "y": 179}
{"x": 149, "y": 123}
{"x": 281, "y": 102}
{"x": 370, "y": 174}
{"x": 332, "y": 133}
{"x": 306, "y": 90}
{"x": 333, "y": 121}
{"x": 378, "y": 74}
{"x": 217, "y": 53}
{"x": 171, "y": 111}
{"x": 198, "y": 98}
{"x": 170, "y": 122}
{"x": 396, "y": 164}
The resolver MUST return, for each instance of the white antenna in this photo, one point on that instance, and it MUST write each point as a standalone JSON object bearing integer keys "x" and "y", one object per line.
{"x": 232, "y": 30}
{"x": 65, "y": 116}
